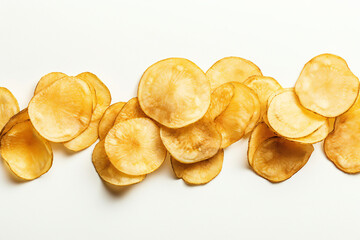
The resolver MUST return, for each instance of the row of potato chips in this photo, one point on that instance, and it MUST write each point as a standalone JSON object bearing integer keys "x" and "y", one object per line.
{"x": 190, "y": 116}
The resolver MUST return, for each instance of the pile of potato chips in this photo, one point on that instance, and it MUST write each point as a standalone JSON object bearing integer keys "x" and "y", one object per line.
{"x": 190, "y": 116}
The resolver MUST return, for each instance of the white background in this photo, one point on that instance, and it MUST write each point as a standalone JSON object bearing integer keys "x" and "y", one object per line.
{"x": 118, "y": 40}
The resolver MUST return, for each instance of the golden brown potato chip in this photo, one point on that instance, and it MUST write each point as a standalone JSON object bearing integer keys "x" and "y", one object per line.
{"x": 256, "y": 114}
{"x": 231, "y": 69}
{"x": 47, "y": 80}
{"x": 277, "y": 159}
{"x": 260, "y": 134}
{"x": 174, "y": 92}
{"x": 193, "y": 143}
{"x": 134, "y": 146}
{"x": 27, "y": 154}
{"x": 8, "y": 106}
{"x": 63, "y": 110}
{"x": 21, "y": 116}
{"x": 264, "y": 88}
{"x": 130, "y": 110}
{"x": 108, "y": 119}
{"x": 288, "y": 118}
{"x": 199, "y": 172}
{"x": 327, "y": 86}
{"x": 220, "y": 100}
{"x": 108, "y": 172}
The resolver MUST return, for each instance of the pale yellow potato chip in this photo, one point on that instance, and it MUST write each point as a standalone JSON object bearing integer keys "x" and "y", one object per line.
{"x": 21, "y": 116}
{"x": 174, "y": 92}
{"x": 134, "y": 146}
{"x": 108, "y": 172}
{"x": 130, "y": 110}
{"x": 327, "y": 86}
{"x": 8, "y": 106}
{"x": 199, "y": 172}
{"x": 108, "y": 119}
{"x": 231, "y": 69}
{"x": 27, "y": 154}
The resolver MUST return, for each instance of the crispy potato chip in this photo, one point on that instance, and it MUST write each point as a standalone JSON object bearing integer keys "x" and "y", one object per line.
{"x": 174, "y": 92}
{"x": 85, "y": 139}
{"x": 199, "y": 172}
{"x": 108, "y": 172}
{"x": 130, "y": 110}
{"x": 327, "y": 86}
{"x": 231, "y": 69}
{"x": 193, "y": 143}
{"x": 8, "y": 106}
{"x": 260, "y": 134}
{"x": 27, "y": 154}
{"x": 289, "y": 119}
{"x": 134, "y": 146}
{"x": 62, "y": 110}
{"x": 256, "y": 114}
{"x": 108, "y": 119}
{"x": 21, "y": 116}
{"x": 277, "y": 159}
{"x": 220, "y": 99}
{"x": 264, "y": 88}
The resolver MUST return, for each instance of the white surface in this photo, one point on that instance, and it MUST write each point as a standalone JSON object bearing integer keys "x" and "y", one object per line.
{"x": 118, "y": 40}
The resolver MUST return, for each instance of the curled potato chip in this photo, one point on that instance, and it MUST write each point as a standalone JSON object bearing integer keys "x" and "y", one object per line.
{"x": 199, "y": 172}
{"x": 130, "y": 110}
{"x": 8, "y": 106}
{"x": 62, "y": 110}
{"x": 264, "y": 88}
{"x": 27, "y": 154}
{"x": 260, "y": 134}
{"x": 231, "y": 69}
{"x": 108, "y": 119}
{"x": 327, "y": 86}
{"x": 174, "y": 92}
{"x": 193, "y": 143}
{"x": 288, "y": 118}
{"x": 277, "y": 159}
{"x": 134, "y": 146}
{"x": 21, "y": 116}
{"x": 108, "y": 172}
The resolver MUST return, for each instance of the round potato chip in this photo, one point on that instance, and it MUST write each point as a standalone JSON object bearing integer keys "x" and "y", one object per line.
{"x": 134, "y": 146}
{"x": 62, "y": 110}
{"x": 220, "y": 100}
{"x": 327, "y": 86}
{"x": 130, "y": 110}
{"x": 317, "y": 136}
{"x": 8, "y": 106}
{"x": 199, "y": 172}
{"x": 174, "y": 92}
{"x": 193, "y": 143}
{"x": 231, "y": 69}
{"x": 21, "y": 116}
{"x": 27, "y": 154}
{"x": 277, "y": 159}
{"x": 108, "y": 172}
{"x": 108, "y": 119}
{"x": 289, "y": 119}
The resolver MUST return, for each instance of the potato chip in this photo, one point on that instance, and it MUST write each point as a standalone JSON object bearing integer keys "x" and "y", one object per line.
{"x": 63, "y": 110}
{"x": 130, "y": 110}
{"x": 27, "y": 154}
{"x": 277, "y": 159}
{"x": 289, "y": 119}
{"x": 260, "y": 134}
{"x": 193, "y": 143}
{"x": 134, "y": 146}
{"x": 108, "y": 172}
{"x": 231, "y": 69}
{"x": 8, "y": 106}
{"x": 21, "y": 116}
{"x": 174, "y": 92}
{"x": 199, "y": 172}
{"x": 264, "y": 88}
{"x": 327, "y": 86}
{"x": 108, "y": 119}
{"x": 256, "y": 114}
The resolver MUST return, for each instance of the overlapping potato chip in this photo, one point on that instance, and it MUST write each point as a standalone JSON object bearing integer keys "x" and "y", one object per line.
{"x": 199, "y": 172}
{"x": 108, "y": 119}
{"x": 27, "y": 154}
{"x": 130, "y": 110}
{"x": 108, "y": 172}
{"x": 63, "y": 110}
{"x": 174, "y": 92}
{"x": 193, "y": 143}
{"x": 8, "y": 106}
{"x": 288, "y": 118}
{"x": 134, "y": 146}
{"x": 277, "y": 159}
{"x": 21, "y": 116}
{"x": 256, "y": 117}
{"x": 327, "y": 86}
{"x": 231, "y": 69}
